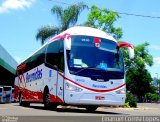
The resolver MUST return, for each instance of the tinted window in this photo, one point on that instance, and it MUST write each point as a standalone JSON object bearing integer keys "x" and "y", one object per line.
{"x": 84, "y": 53}
{"x": 90, "y": 56}
{"x": 37, "y": 59}
{"x": 7, "y": 88}
{"x": 52, "y": 53}
{"x": 55, "y": 55}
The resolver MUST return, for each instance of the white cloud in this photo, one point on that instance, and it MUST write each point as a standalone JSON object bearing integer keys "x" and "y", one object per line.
{"x": 155, "y": 47}
{"x": 8, "y": 5}
{"x": 157, "y": 60}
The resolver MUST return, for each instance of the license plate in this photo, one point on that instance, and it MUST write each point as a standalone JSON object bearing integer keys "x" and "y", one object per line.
{"x": 99, "y": 97}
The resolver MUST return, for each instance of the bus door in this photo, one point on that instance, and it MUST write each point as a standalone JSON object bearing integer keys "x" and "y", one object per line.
{"x": 60, "y": 80}
{"x": 55, "y": 61}
{"x": 60, "y": 89}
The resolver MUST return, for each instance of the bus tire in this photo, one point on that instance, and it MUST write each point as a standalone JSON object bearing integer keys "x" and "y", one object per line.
{"x": 46, "y": 100}
{"x": 20, "y": 99}
{"x": 21, "y": 102}
{"x": 26, "y": 104}
{"x": 91, "y": 108}
{"x": 54, "y": 106}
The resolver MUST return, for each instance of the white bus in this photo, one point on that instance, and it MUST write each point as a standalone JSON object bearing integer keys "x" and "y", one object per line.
{"x": 81, "y": 66}
{"x": 5, "y": 94}
{"x": 1, "y": 94}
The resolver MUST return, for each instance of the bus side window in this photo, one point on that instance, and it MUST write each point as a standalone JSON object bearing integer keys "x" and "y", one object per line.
{"x": 61, "y": 56}
{"x": 52, "y": 54}
{"x": 37, "y": 59}
{"x": 55, "y": 55}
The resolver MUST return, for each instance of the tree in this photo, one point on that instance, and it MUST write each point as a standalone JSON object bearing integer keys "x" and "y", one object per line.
{"x": 138, "y": 78}
{"x": 66, "y": 18}
{"x": 131, "y": 100}
{"x": 157, "y": 85}
{"x": 138, "y": 82}
{"x": 104, "y": 19}
{"x": 141, "y": 59}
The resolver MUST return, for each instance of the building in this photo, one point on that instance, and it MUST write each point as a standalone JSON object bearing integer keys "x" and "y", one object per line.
{"x": 7, "y": 68}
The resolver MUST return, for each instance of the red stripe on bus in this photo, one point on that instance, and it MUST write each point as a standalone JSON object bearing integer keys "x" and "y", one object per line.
{"x": 61, "y": 37}
{"x": 94, "y": 90}
{"x": 125, "y": 44}
{"x": 29, "y": 95}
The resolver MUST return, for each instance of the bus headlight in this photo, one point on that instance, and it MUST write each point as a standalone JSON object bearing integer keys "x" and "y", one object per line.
{"x": 121, "y": 91}
{"x": 71, "y": 87}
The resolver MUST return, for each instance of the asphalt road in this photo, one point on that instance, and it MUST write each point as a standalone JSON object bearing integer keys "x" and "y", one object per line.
{"x": 37, "y": 113}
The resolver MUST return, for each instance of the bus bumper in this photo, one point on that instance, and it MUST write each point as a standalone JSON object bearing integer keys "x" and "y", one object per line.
{"x": 95, "y": 99}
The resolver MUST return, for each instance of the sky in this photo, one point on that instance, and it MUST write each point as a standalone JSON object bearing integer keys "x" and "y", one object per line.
{"x": 21, "y": 19}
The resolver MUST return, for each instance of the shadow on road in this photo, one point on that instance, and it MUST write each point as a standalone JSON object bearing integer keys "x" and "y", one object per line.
{"x": 84, "y": 111}
{"x": 75, "y": 110}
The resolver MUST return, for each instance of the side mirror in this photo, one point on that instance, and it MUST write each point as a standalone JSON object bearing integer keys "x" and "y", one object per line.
{"x": 67, "y": 41}
{"x": 131, "y": 52}
{"x": 55, "y": 67}
{"x": 129, "y": 47}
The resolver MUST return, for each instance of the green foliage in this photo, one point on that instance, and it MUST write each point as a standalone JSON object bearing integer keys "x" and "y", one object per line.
{"x": 158, "y": 81}
{"x": 127, "y": 105}
{"x": 104, "y": 19}
{"x": 45, "y": 32}
{"x": 69, "y": 16}
{"x": 66, "y": 18}
{"x": 152, "y": 97}
{"x": 153, "y": 89}
{"x": 141, "y": 59}
{"x": 131, "y": 100}
{"x": 138, "y": 79}
{"x": 139, "y": 82}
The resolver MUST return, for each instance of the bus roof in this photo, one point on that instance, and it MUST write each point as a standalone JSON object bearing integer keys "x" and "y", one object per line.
{"x": 89, "y": 31}
{"x": 78, "y": 30}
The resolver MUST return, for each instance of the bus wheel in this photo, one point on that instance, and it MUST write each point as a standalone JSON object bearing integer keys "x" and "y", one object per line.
{"x": 26, "y": 104}
{"x": 47, "y": 102}
{"x": 20, "y": 100}
{"x": 91, "y": 108}
{"x": 54, "y": 106}
{"x": 22, "y": 103}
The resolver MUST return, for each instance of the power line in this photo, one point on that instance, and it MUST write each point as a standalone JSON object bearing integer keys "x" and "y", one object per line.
{"x": 123, "y": 13}
{"x": 139, "y": 15}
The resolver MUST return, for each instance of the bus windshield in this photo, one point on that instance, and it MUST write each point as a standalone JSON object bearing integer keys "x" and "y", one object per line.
{"x": 92, "y": 53}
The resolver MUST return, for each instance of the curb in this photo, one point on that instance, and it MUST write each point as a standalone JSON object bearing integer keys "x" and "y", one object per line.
{"x": 123, "y": 108}
{"x": 111, "y": 107}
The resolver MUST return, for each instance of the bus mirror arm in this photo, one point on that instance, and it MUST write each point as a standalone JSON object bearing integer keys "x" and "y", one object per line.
{"x": 55, "y": 67}
{"x": 67, "y": 41}
{"x": 129, "y": 47}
